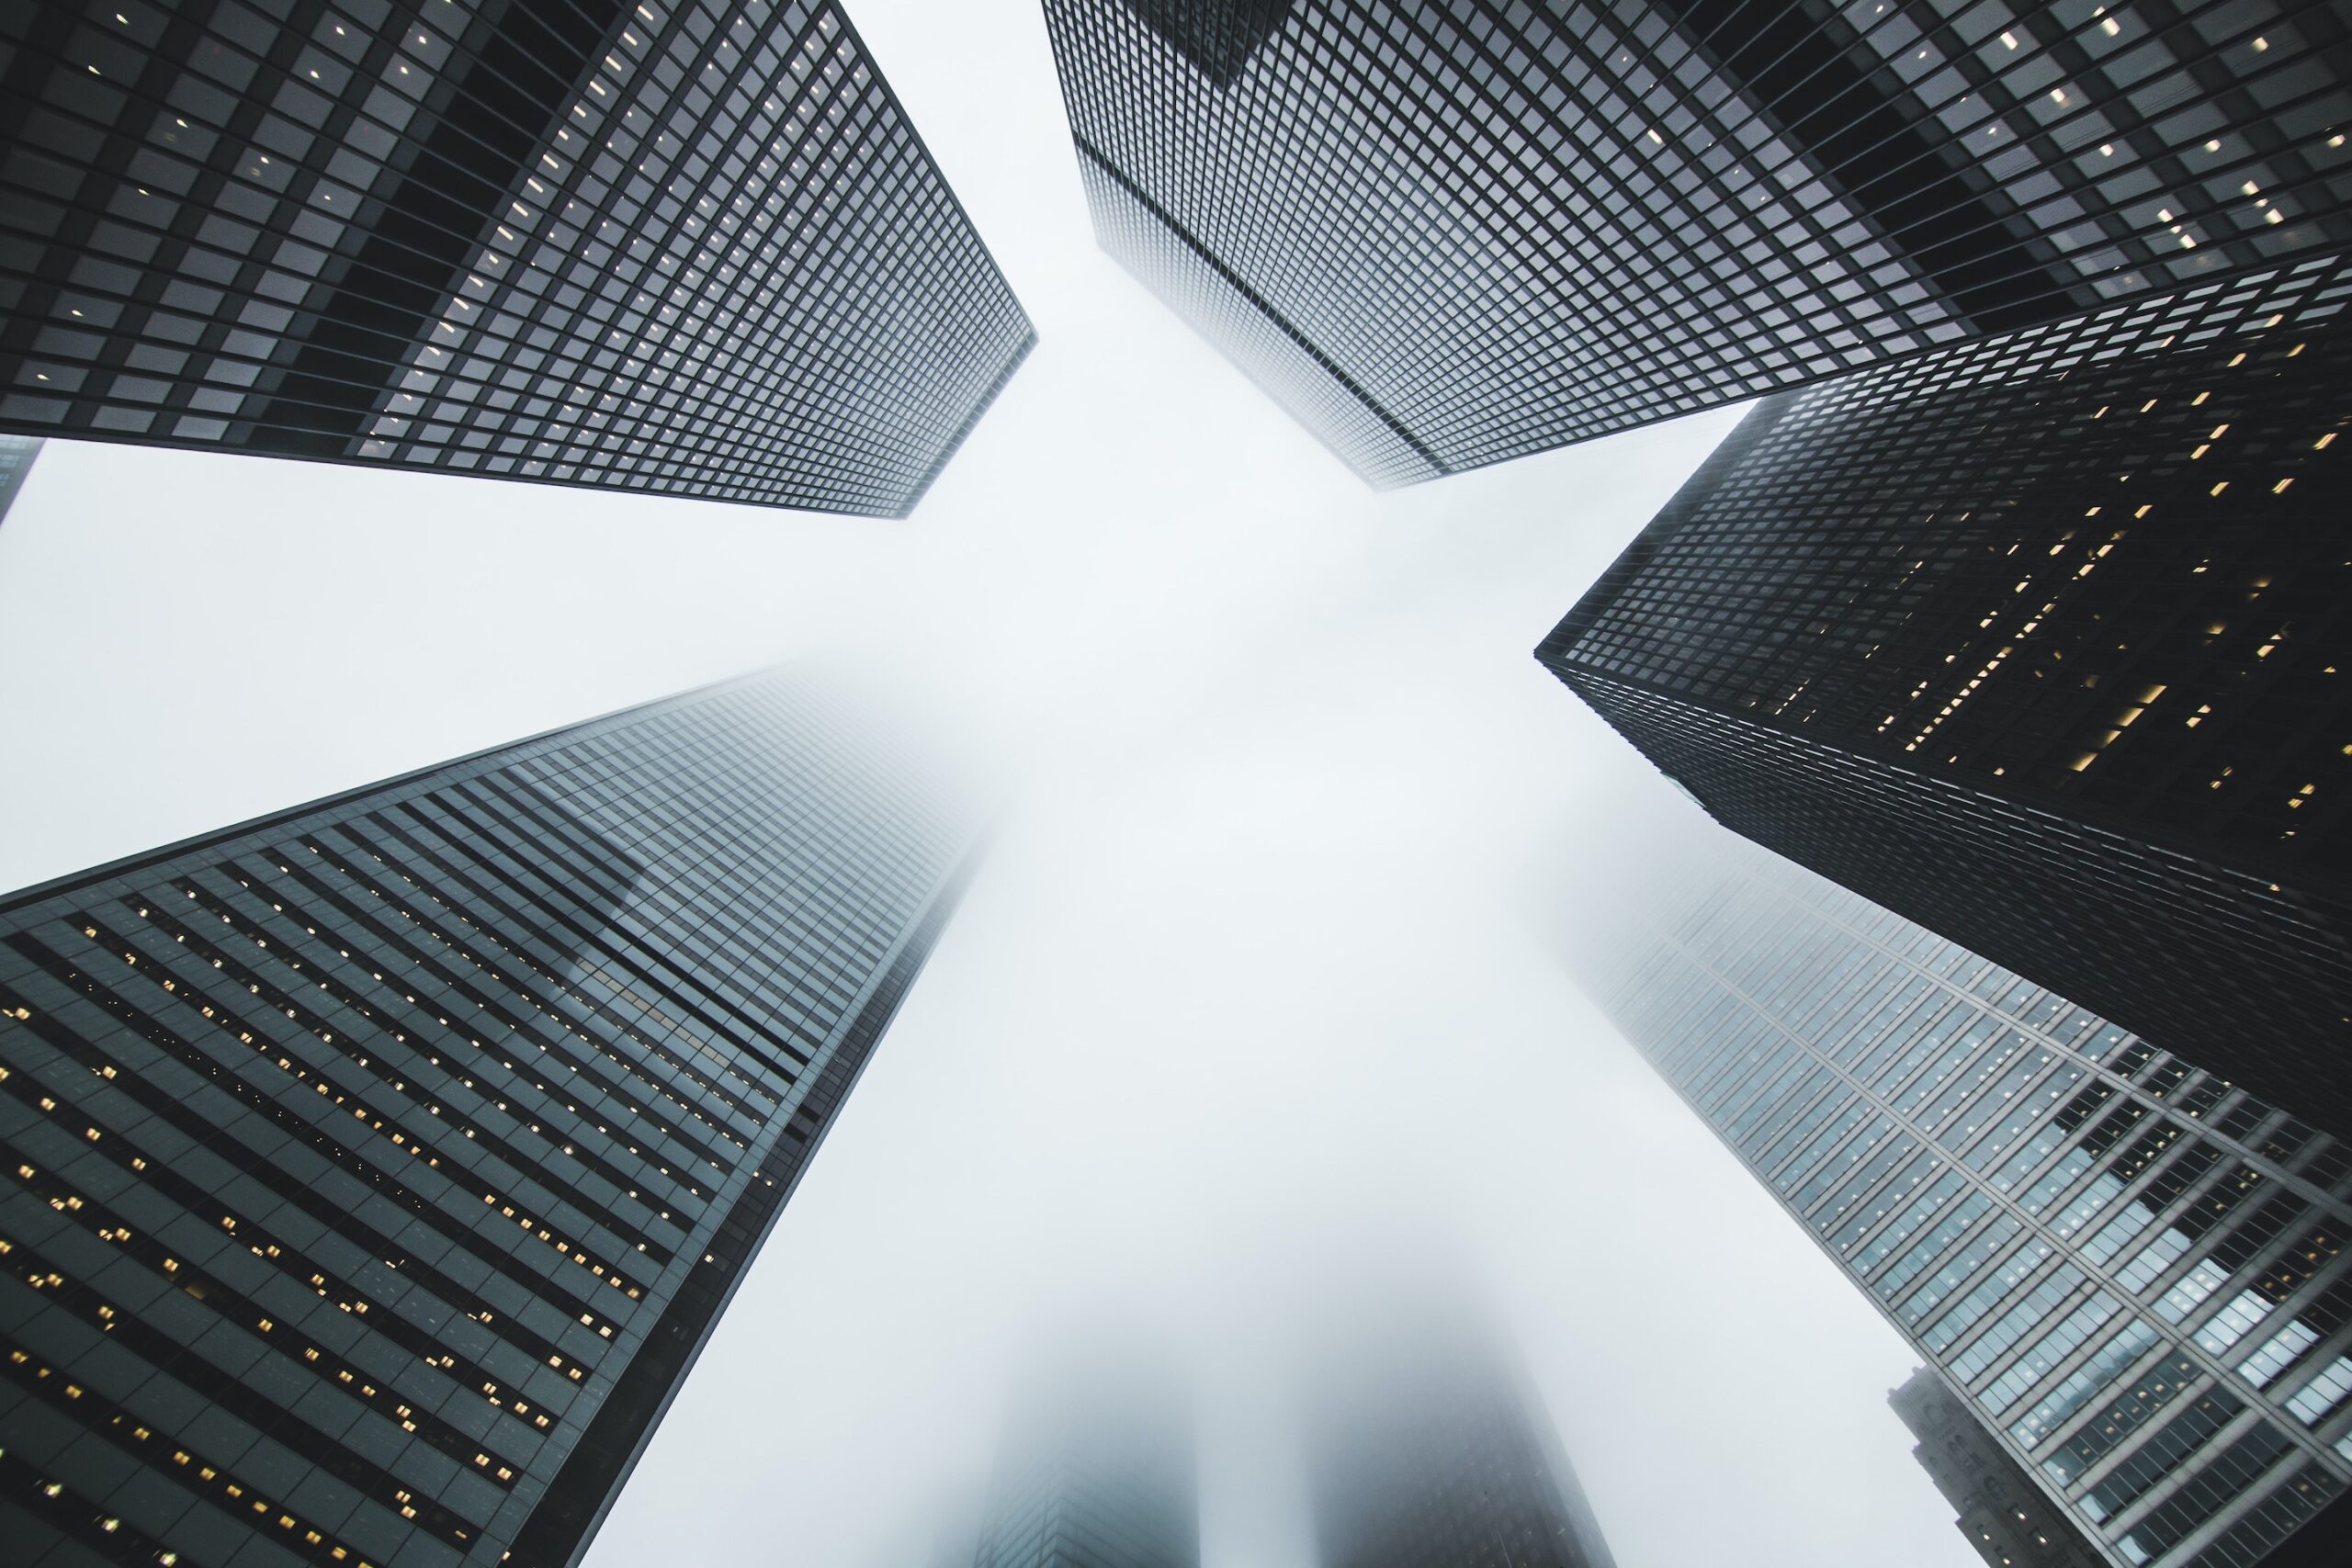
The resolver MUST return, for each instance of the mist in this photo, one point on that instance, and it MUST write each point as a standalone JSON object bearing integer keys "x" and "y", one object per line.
{"x": 1245, "y": 985}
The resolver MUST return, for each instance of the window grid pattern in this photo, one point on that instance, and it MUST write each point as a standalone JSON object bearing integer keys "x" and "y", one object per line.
{"x": 692, "y": 247}
{"x": 1498, "y": 229}
{"x": 2040, "y": 639}
{"x": 374, "y": 1172}
{"x": 2062, "y": 1243}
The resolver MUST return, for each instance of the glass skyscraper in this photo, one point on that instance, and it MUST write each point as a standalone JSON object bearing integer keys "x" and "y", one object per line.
{"x": 2045, "y": 642}
{"x": 1098, "y": 1472}
{"x": 2130, "y": 1269}
{"x": 1425, "y": 1448}
{"x": 690, "y": 247}
{"x": 1447, "y": 232}
{"x": 375, "y": 1171}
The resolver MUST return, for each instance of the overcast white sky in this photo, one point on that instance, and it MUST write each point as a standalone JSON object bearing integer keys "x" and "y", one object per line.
{"x": 1242, "y": 975}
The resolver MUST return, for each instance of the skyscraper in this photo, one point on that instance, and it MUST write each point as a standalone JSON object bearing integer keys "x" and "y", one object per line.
{"x": 2043, "y": 643}
{"x": 1425, "y": 1448}
{"x": 2002, "y": 1512}
{"x": 1098, "y": 1472}
{"x": 2133, "y": 1268}
{"x": 680, "y": 246}
{"x": 16, "y": 455}
{"x": 1447, "y": 233}
{"x": 376, "y": 1170}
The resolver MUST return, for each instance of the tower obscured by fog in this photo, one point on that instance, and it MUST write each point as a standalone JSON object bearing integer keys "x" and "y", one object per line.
{"x": 1097, "y": 1471}
{"x": 16, "y": 455}
{"x": 1427, "y": 1448}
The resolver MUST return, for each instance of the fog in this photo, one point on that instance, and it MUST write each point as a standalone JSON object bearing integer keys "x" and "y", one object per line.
{"x": 1244, "y": 972}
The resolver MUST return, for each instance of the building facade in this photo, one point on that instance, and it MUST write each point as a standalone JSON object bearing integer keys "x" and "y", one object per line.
{"x": 681, "y": 247}
{"x": 2042, "y": 642}
{"x": 1098, "y": 1472}
{"x": 16, "y": 455}
{"x": 2131, "y": 1270}
{"x": 2004, "y": 1516}
{"x": 1448, "y": 233}
{"x": 1425, "y": 1448}
{"x": 375, "y": 1171}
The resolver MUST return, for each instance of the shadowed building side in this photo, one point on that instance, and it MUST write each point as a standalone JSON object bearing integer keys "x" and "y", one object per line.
{"x": 2046, "y": 643}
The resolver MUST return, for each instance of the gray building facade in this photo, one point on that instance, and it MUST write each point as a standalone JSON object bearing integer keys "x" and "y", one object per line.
{"x": 376, "y": 1170}
{"x": 2132, "y": 1268}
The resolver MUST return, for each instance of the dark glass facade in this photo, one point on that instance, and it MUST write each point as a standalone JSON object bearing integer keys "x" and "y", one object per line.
{"x": 1447, "y": 232}
{"x": 2003, "y": 1514}
{"x": 690, "y": 247}
{"x": 2131, "y": 1270}
{"x": 2046, "y": 643}
{"x": 1427, "y": 1448}
{"x": 1098, "y": 1472}
{"x": 375, "y": 1171}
